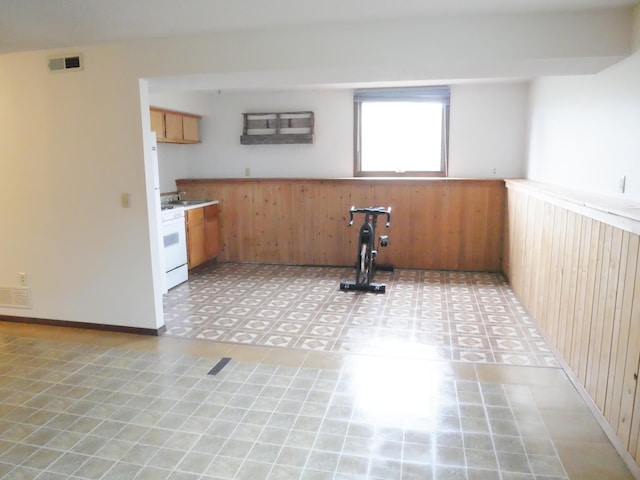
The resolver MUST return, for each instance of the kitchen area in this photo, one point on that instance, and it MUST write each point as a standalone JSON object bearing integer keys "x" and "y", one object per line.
{"x": 190, "y": 237}
{"x": 189, "y": 227}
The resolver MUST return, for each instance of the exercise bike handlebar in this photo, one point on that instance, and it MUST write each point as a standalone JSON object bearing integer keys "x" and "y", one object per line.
{"x": 371, "y": 211}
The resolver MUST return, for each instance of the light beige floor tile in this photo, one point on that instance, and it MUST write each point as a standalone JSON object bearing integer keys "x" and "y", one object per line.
{"x": 518, "y": 375}
{"x": 573, "y": 426}
{"x": 291, "y": 358}
{"x": 558, "y": 398}
{"x": 592, "y": 461}
{"x": 324, "y": 360}
{"x": 247, "y": 353}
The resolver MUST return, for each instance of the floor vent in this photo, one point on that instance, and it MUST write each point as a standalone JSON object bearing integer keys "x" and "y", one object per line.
{"x": 58, "y": 64}
{"x": 219, "y": 366}
{"x": 16, "y": 297}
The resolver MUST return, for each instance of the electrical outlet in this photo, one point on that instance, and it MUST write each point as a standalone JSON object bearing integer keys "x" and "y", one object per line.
{"x": 22, "y": 278}
{"x": 247, "y": 172}
{"x": 621, "y": 185}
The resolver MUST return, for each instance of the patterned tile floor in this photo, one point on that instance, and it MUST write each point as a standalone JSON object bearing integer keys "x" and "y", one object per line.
{"x": 462, "y": 316}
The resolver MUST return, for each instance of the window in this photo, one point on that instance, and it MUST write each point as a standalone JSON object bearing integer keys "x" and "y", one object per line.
{"x": 401, "y": 131}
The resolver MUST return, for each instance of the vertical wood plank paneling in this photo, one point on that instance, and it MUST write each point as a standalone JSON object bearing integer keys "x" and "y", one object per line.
{"x": 513, "y": 265}
{"x": 417, "y": 241}
{"x": 622, "y": 326}
{"x": 532, "y": 271}
{"x": 587, "y": 300}
{"x": 492, "y": 232}
{"x": 567, "y": 293}
{"x": 436, "y": 224}
{"x": 593, "y": 347}
{"x": 607, "y": 314}
{"x": 507, "y": 235}
{"x": 303, "y": 224}
{"x": 630, "y": 409}
{"x": 525, "y": 253}
{"x": 516, "y": 244}
{"x": 454, "y": 228}
{"x": 557, "y": 272}
{"x": 542, "y": 300}
{"x": 593, "y": 269}
{"x": 570, "y": 317}
{"x": 581, "y": 295}
{"x": 334, "y": 213}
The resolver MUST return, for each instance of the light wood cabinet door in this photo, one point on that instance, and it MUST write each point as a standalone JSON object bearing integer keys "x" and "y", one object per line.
{"x": 211, "y": 231}
{"x": 157, "y": 124}
{"x": 173, "y": 127}
{"x": 196, "y": 253}
{"x": 190, "y": 132}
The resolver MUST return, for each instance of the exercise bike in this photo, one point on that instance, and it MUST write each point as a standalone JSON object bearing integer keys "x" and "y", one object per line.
{"x": 366, "y": 259}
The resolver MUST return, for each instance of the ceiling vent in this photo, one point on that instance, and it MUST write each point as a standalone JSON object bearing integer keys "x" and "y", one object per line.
{"x": 17, "y": 297}
{"x": 63, "y": 64}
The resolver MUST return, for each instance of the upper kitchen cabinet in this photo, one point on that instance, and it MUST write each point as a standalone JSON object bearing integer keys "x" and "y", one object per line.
{"x": 174, "y": 127}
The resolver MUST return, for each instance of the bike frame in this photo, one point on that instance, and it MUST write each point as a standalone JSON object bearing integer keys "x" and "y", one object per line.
{"x": 367, "y": 251}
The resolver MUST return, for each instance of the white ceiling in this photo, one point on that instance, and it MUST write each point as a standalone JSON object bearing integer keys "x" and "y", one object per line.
{"x": 41, "y": 24}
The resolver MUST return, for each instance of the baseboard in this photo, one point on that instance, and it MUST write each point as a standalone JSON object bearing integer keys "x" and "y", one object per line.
{"x": 88, "y": 326}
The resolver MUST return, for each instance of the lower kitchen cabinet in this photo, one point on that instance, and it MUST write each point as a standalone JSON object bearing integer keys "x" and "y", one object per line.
{"x": 211, "y": 231}
{"x": 195, "y": 237}
{"x": 203, "y": 237}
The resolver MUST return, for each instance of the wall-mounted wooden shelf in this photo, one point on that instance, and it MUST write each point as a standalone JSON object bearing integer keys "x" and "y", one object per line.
{"x": 277, "y": 128}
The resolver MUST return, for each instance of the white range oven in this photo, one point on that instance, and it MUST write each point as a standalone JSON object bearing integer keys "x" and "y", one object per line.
{"x": 175, "y": 247}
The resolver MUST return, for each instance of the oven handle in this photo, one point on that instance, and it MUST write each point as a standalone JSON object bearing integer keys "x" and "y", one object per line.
{"x": 173, "y": 221}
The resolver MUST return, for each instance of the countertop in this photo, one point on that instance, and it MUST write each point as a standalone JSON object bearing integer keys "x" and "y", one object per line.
{"x": 200, "y": 205}
{"x": 204, "y": 203}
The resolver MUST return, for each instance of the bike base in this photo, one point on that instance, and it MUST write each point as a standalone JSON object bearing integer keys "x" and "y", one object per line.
{"x": 363, "y": 287}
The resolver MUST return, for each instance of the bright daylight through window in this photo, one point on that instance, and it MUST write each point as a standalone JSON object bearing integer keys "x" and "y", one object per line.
{"x": 401, "y": 131}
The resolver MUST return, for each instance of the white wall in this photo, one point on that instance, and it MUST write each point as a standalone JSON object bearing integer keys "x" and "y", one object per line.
{"x": 330, "y": 156}
{"x": 488, "y": 129}
{"x": 585, "y": 131}
{"x": 71, "y": 143}
{"x": 172, "y": 164}
{"x": 487, "y": 137}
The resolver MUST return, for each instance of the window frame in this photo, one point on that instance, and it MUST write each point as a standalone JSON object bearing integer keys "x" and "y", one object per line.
{"x": 440, "y": 94}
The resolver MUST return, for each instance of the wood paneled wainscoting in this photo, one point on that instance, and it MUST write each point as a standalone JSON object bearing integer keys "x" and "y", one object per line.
{"x": 448, "y": 224}
{"x": 573, "y": 261}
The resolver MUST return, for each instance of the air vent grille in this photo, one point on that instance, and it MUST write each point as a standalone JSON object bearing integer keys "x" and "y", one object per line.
{"x": 62, "y": 64}
{"x": 16, "y": 297}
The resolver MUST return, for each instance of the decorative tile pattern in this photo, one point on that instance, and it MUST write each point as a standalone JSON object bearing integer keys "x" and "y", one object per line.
{"x": 463, "y": 316}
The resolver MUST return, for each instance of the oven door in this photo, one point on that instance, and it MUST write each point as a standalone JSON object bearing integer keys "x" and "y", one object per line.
{"x": 175, "y": 244}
